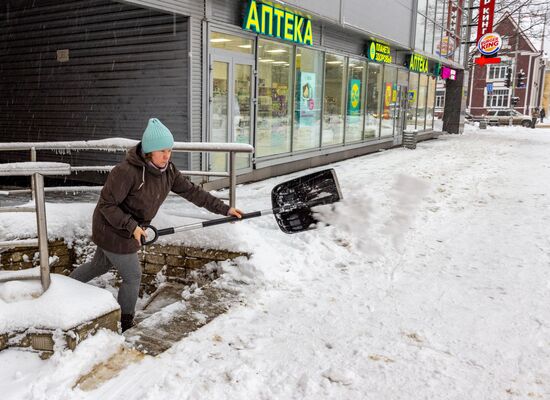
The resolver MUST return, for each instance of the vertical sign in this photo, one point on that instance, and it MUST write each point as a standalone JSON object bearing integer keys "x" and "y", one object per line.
{"x": 485, "y": 18}
{"x": 354, "y": 102}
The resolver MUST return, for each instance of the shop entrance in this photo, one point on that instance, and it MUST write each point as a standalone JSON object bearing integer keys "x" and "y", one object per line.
{"x": 231, "y": 103}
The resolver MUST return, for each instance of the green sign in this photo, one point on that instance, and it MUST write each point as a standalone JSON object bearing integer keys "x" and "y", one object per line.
{"x": 418, "y": 63}
{"x": 436, "y": 69}
{"x": 354, "y": 102}
{"x": 378, "y": 52}
{"x": 269, "y": 20}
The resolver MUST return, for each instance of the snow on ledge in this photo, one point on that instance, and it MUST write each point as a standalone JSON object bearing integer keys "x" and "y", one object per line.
{"x": 30, "y": 168}
{"x": 120, "y": 144}
{"x": 66, "y": 304}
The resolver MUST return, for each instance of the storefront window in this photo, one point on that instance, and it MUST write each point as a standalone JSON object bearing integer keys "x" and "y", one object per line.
{"x": 307, "y": 106}
{"x": 422, "y": 6}
{"x": 422, "y": 96}
{"x": 274, "y": 80}
{"x": 420, "y": 28}
{"x": 430, "y": 11}
{"x": 373, "y": 100}
{"x": 242, "y": 113}
{"x": 220, "y": 113}
{"x": 227, "y": 42}
{"x": 430, "y": 103}
{"x": 389, "y": 104}
{"x": 401, "y": 103}
{"x": 413, "y": 100}
{"x": 334, "y": 100}
{"x": 437, "y": 39}
{"x": 429, "y": 42}
{"x": 355, "y": 111}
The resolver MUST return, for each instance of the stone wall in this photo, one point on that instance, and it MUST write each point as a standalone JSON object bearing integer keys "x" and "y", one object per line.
{"x": 159, "y": 262}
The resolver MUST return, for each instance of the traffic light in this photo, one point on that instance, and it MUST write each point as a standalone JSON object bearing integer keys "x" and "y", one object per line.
{"x": 514, "y": 100}
{"x": 521, "y": 79}
{"x": 508, "y": 81}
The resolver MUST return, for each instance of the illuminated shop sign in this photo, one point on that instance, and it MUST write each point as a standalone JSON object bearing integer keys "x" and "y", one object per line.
{"x": 417, "y": 63}
{"x": 448, "y": 73}
{"x": 378, "y": 52}
{"x": 489, "y": 44}
{"x": 269, "y": 20}
{"x": 485, "y": 18}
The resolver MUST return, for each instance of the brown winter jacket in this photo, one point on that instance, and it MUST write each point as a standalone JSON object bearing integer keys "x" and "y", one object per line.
{"x": 132, "y": 195}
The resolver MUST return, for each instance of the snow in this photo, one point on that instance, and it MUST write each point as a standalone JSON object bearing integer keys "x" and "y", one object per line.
{"x": 432, "y": 281}
{"x": 66, "y": 304}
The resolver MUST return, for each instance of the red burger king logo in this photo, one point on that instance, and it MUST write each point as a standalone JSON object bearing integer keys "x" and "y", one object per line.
{"x": 489, "y": 44}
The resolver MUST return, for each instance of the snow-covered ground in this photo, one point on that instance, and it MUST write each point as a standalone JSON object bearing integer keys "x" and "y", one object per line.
{"x": 431, "y": 282}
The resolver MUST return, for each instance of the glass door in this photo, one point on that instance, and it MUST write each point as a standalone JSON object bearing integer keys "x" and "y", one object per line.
{"x": 401, "y": 105}
{"x": 231, "y": 108}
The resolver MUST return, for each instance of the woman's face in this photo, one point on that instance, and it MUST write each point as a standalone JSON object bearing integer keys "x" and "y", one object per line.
{"x": 161, "y": 157}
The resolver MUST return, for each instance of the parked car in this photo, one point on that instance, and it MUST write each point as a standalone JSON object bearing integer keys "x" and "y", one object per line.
{"x": 503, "y": 117}
{"x": 474, "y": 118}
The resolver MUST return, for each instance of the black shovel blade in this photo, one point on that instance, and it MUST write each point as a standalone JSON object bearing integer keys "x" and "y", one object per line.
{"x": 292, "y": 200}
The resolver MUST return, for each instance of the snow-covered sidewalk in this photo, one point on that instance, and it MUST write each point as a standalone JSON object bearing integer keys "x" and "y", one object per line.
{"x": 432, "y": 282}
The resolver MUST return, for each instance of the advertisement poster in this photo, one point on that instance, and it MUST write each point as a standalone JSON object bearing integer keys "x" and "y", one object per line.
{"x": 354, "y": 102}
{"x": 307, "y": 98}
{"x": 388, "y": 93}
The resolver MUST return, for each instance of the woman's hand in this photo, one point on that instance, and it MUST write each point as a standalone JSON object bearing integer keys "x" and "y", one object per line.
{"x": 235, "y": 212}
{"x": 138, "y": 232}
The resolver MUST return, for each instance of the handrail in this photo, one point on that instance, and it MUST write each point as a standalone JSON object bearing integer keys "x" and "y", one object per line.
{"x": 123, "y": 144}
{"x": 36, "y": 170}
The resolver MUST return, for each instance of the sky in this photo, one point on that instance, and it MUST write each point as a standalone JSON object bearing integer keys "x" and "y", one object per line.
{"x": 431, "y": 281}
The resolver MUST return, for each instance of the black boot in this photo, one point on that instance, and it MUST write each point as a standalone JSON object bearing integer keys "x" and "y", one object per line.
{"x": 126, "y": 321}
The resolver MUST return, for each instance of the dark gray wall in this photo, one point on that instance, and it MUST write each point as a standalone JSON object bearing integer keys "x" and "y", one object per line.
{"x": 126, "y": 64}
{"x": 195, "y": 10}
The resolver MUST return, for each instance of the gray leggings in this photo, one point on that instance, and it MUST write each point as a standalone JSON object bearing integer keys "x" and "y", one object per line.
{"x": 127, "y": 266}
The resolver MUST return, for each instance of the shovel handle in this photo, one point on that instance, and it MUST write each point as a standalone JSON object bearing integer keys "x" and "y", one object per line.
{"x": 157, "y": 232}
{"x": 225, "y": 220}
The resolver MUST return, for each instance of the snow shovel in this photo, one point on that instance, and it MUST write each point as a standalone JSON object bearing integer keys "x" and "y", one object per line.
{"x": 292, "y": 203}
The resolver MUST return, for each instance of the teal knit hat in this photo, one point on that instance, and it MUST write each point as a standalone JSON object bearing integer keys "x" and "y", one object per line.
{"x": 156, "y": 137}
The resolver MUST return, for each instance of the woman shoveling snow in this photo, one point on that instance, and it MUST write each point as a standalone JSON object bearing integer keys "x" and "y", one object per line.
{"x": 133, "y": 193}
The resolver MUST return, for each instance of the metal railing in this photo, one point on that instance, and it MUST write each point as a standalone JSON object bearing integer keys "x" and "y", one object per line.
{"x": 37, "y": 170}
{"x": 122, "y": 144}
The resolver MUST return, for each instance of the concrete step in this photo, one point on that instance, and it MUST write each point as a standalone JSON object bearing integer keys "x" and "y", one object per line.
{"x": 169, "y": 318}
{"x": 166, "y": 319}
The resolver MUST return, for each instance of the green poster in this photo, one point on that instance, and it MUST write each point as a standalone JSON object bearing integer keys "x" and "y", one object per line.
{"x": 354, "y": 97}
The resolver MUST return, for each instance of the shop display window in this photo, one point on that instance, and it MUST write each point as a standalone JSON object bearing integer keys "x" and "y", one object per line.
{"x": 308, "y": 96}
{"x": 390, "y": 101}
{"x": 275, "y": 70}
{"x": 334, "y": 100}
{"x": 223, "y": 41}
{"x": 373, "y": 100}
{"x": 220, "y": 105}
{"x": 421, "y": 107}
{"x": 413, "y": 100}
{"x": 430, "y": 103}
{"x": 355, "y": 111}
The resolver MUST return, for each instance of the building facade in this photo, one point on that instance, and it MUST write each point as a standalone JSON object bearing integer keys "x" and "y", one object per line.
{"x": 304, "y": 82}
{"x": 514, "y": 83}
